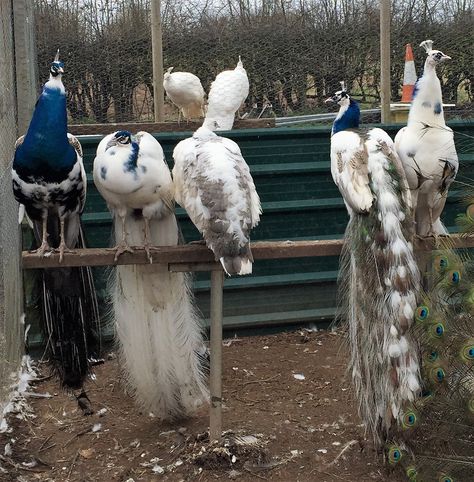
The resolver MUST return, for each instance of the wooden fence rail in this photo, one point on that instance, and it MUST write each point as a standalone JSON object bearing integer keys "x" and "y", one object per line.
{"x": 195, "y": 257}
{"x": 199, "y": 258}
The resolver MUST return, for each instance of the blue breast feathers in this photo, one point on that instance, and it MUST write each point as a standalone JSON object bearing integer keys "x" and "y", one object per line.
{"x": 349, "y": 119}
{"x": 46, "y": 153}
{"x": 131, "y": 164}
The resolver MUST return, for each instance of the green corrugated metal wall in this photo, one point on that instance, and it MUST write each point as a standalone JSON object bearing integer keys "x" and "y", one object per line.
{"x": 291, "y": 170}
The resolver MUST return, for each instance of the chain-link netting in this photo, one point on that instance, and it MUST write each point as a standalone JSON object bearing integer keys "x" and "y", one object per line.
{"x": 295, "y": 51}
{"x": 10, "y": 276}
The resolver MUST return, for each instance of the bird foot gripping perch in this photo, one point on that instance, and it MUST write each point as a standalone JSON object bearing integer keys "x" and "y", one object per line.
{"x": 120, "y": 249}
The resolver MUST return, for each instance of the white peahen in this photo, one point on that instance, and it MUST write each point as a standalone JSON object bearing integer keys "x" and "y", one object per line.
{"x": 426, "y": 148}
{"x": 157, "y": 326}
{"x": 186, "y": 92}
{"x": 228, "y": 91}
{"x": 214, "y": 185}
{"x": 379, "y": 278}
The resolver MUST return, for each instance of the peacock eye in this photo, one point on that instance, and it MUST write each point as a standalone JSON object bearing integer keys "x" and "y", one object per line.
{"x": 445, "y": 478}
{"x": 438, "y": 330}
{"x": 470, "y": 212}
{"x": 439, "y": 374}
{"x": 441, "y": 263}
{"x": 394, "y": 455}
{"x": 433, "y": 356}
{"x": 454, "y": 276}
{"x": 467, "y": 352}
{"x": 422, "y": 313}
{"x": 411, "y": 473}
{"x": 409, "y": 419}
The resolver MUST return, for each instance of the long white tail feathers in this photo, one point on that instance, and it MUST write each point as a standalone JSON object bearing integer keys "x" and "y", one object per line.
{"x": 380, "y": 279}
{"x": 158, "y": 330}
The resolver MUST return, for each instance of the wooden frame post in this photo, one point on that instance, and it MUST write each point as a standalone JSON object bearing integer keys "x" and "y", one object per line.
{"x": 215, "y": 379}
{"x": 385, "y": 60}
{"x": 157, "y": 54}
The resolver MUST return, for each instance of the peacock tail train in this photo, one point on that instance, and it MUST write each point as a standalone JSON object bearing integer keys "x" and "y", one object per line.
{"x": 379, "y": 282}
{"x": 435, "y": 440}
{"x": 71, "y": 323}
{"x": 157, "y": 327}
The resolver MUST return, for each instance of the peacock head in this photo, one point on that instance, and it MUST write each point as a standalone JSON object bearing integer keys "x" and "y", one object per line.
{"x": 168, "y": 73}
{"x": 57, "y": 67}
{"x": 340, "y": 97}
{"x": 120, "y": 138}
{"x": 435, "y": 57}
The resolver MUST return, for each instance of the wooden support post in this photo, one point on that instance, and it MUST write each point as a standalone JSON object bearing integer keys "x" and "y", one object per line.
{"x": 25, "y": 61}
{"x": 157, "y": 54}
{"x": 215, "y": 382}
{"x": 385, "y": 60}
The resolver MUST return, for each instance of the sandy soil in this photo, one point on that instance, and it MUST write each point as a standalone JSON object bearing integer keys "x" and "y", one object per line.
{"x": 287, "y": 393}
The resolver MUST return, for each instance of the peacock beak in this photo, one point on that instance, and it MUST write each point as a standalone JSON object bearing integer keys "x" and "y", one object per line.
{"x": 329, "y": 100}
{"x": 111, "y": 143}
{"x": 445, "y": 57}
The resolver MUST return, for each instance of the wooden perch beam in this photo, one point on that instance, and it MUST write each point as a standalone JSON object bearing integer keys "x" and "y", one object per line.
{"x": 193, "y": 254}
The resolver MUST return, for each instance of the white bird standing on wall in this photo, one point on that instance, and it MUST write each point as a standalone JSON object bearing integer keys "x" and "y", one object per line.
{"x": 228, "y": 91}
{"x": 186, "y": 92}
{"x": 426, "y": 148}
{"x": 214, "y": 185}
{"x": 157, "y": 326}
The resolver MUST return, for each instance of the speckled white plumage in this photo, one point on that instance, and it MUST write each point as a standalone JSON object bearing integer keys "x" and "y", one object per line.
{"x": 157, "y": 326}
{"x": 427, "y": 150}
{"x": 185, "y": 90}
{"x": 214, "y": 185}
{"x": 228, "y": 91}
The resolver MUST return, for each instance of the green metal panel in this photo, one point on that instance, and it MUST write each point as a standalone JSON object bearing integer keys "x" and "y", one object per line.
{"x": 291, "y": 170}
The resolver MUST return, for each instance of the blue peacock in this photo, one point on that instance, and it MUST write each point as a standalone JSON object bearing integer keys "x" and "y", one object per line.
{"x": 50, "y": 182}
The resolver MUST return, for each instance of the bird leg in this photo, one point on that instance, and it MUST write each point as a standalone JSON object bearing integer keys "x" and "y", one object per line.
{"x": 122, "y": 246}
{"x": 44, "y": 240}
{"x": 147, "y": 237}
{"x": 62, "y": 244}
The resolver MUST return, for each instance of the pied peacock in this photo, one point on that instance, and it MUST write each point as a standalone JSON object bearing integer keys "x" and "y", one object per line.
{"x": 426, "y": 148}
{"x": 50, "y": 182}
{"x": 156, "y": 324}
{"x": 185, "y": 91}
{"x": 228, "y": 92}
{"x": 379, "y": 276}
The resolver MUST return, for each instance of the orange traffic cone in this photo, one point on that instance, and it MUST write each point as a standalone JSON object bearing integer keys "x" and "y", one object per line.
{"x": 409, "y": 75}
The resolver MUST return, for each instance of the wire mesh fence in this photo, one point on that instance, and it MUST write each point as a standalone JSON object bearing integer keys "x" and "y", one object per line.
{"x": 10, "y": 276}
{"x": 295, "y": 51}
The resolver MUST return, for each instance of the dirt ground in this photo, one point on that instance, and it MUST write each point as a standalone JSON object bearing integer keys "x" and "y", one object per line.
{"x": 287, "y": 393}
